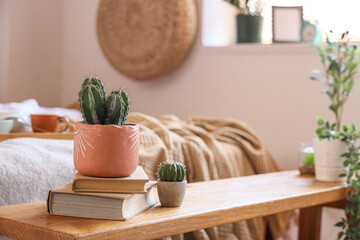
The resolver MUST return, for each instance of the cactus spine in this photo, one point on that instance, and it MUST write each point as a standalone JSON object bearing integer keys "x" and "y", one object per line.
{"x": 96, "y": 109}
{"x": 172, "y": 172}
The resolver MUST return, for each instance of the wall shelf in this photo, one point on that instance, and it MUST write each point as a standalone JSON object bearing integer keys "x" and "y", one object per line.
{"x": 258, "y": 48}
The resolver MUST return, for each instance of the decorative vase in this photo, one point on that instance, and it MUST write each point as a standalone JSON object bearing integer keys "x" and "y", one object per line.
{"x": 249, "y": 28}
{"x": 328, "y": 160}
{"x": 106, "y": 150}
{"x": 171, "y": 194}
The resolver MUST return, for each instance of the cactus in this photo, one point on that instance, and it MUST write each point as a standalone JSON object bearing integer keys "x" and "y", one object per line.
{"x": 96, "y": 82}
{"x": 96, "y": 109}
{"x": 92, "y": 104}
{"x": 126, "y": 101}
{"x": 115, "y": 108}
{"x": 172, "y": 172}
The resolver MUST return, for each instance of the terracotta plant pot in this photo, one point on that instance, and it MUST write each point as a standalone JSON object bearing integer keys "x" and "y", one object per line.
{"x": 328, "y": 161}
{"x": 171, "y": 194}
{"x": 106, "y": 150}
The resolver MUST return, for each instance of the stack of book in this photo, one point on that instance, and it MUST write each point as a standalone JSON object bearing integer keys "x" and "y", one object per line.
{"x": 106, "y": 198}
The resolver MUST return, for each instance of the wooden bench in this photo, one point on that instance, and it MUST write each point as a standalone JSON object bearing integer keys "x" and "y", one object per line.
{"x": 206, "y": 204}
{"x": 67, "y": 136}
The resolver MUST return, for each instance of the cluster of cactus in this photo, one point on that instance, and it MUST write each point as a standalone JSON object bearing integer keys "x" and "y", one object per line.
{"x": 172, "y": 172}
{"x": 97, "y": 109}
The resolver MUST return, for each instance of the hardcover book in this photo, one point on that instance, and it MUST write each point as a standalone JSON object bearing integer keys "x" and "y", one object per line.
{"x": 135, "y": 183}
{"x": 115, "y": 206}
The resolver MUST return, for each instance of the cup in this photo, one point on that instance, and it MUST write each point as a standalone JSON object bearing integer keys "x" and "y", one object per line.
{"x": 47, "y": 123}
{"x": 6, "y": 126}
{"x": 21, "y": 120}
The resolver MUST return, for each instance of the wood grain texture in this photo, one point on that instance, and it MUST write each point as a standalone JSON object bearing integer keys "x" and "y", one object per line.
{"x": 69, "y": 136}
{"x": 310, "y": 223}
{"x": 206, "y": 204}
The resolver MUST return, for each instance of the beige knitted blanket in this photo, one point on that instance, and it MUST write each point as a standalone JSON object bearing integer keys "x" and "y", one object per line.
{"x": 211, "y": 149}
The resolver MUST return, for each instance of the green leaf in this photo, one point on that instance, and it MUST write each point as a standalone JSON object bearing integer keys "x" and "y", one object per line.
{"x": 333, "y": 108}
{"x": 317, "y": 79}
{"x": 339, "y": 224}
{"x": 316, "y": 71}
{"x": 342, "y": 175}
{"x": 319, "y": 131}
{"x": 350, "y": 86}
{"x": 356, "y": 51}
{"x": 234, "y": 3}
{"x": 319, "y": 121}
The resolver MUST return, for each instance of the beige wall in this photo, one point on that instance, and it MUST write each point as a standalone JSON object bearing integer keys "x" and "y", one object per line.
{"x": 35, "y": 51}
{"x": 268, "y": 87}
{"x": 4, "y": 47}
{"x": 53, "y": 47}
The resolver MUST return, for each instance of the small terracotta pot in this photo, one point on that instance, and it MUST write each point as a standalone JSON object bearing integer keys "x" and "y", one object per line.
{"x": 106, "y": 150}
{"x": 171, "y": 194}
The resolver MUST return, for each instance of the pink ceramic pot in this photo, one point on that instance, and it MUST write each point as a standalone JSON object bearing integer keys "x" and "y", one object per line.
{"x": 106, "y": 150}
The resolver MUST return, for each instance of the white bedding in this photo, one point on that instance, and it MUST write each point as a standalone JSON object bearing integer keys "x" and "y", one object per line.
{"x": 29, "y": 167}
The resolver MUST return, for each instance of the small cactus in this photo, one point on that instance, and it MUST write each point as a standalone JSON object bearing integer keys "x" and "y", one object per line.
{"x": 96, "y": 109}
{"x": 172, "y": 172}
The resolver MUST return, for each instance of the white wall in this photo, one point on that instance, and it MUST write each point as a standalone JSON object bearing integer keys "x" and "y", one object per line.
{"x": 266, "y": 86}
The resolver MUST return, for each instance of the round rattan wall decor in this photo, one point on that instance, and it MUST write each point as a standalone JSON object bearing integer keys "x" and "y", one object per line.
{"x": 146, "y": 39}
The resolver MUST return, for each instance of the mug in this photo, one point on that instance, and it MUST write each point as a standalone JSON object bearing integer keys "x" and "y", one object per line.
{"x": 6, "y": 126}
{"x": 21, "y": 120}
{"x": 47, "y": 122}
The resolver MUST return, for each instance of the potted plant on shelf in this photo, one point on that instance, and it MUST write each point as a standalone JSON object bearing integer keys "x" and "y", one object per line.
{"x": 248, "y": 22}
{"x": 171, "y": 184}
{"x": 104, "y": 146}
{"x": 340, "y": 63}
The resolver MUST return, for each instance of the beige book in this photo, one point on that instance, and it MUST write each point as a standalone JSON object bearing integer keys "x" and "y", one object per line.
{"x": 115, "y": 206}
{"x": 135, "y": 183}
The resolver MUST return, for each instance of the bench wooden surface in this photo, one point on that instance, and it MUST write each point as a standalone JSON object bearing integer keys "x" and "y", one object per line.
{"x": 69, "y": 136}
{"x": 206, "y": 204}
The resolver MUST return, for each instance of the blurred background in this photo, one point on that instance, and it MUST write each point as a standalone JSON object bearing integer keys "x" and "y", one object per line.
{"x": 48, "y": 47}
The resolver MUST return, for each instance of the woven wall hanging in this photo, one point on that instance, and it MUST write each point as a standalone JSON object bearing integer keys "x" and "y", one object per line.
{"x": 146, "y": 39}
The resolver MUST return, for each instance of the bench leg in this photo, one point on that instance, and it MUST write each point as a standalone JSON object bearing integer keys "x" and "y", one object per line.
{"x": 310, "y": 223}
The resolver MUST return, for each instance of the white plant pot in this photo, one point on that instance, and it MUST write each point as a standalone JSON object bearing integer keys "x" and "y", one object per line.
{"x": 328, "y": 160}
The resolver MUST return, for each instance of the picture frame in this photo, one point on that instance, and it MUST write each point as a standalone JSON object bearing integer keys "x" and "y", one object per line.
{"x": 287, "y": 24}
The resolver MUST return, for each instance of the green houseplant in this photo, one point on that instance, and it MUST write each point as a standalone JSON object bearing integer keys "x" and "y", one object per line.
{"x": 350, "y": 227}
{"x": 248, "y": 22}
{"x": 171, "y": 184}
{"x": 340, "y": 62}
{"x": 104, "y": 146}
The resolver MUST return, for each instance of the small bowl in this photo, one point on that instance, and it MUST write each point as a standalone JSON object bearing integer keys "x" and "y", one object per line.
{"x": 6, "y": 125}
